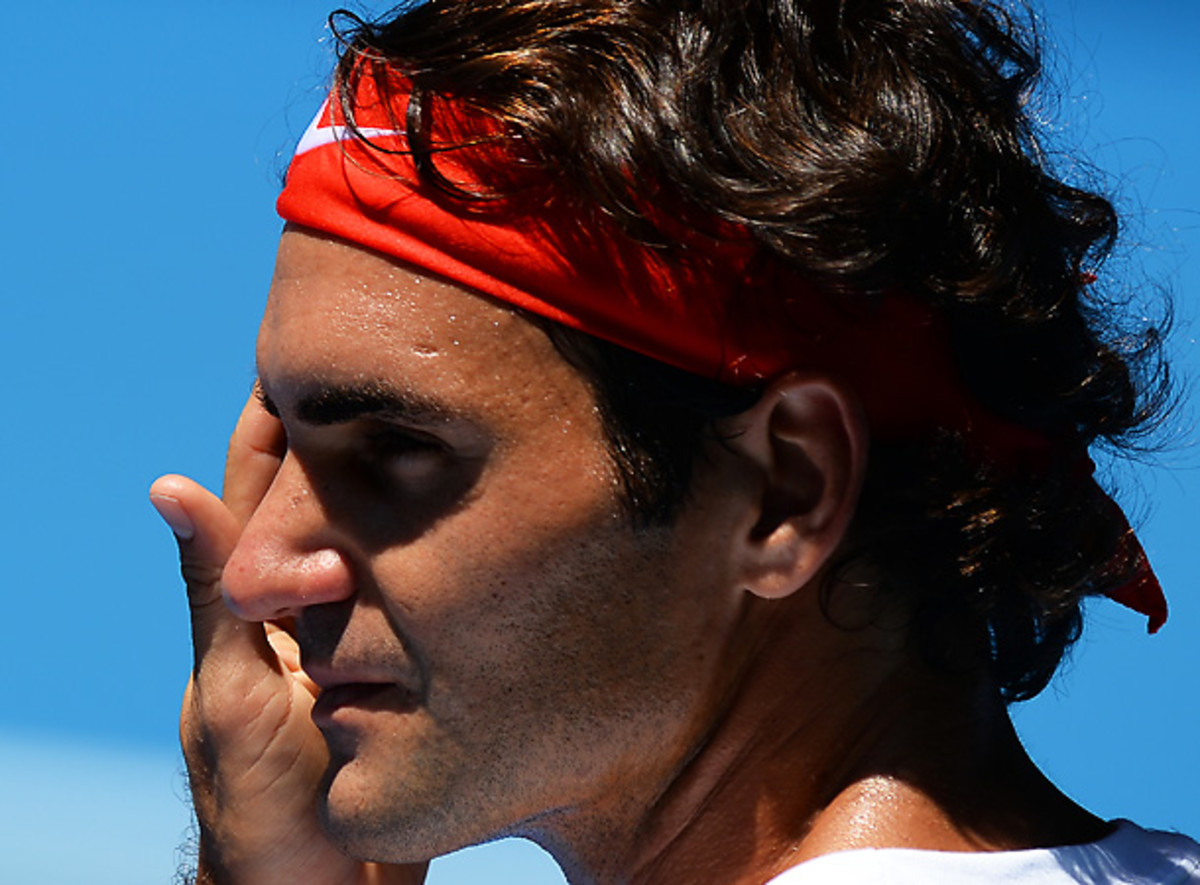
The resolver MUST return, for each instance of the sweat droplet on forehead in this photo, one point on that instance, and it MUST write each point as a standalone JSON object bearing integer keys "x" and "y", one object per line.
{"x": 402, "y": 311}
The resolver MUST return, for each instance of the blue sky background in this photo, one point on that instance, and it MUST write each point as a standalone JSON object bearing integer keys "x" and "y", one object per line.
{"x": 144, "y": 149}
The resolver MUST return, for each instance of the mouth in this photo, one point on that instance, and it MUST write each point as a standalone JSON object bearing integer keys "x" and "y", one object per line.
{"x": 353, "y": 689}
{"x": 345, "y": 699}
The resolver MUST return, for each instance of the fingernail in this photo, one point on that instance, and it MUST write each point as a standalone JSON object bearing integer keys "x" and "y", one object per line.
{"x": 174, "y": 515}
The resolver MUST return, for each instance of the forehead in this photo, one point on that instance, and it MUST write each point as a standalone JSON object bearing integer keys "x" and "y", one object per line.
{"x": 340, "y": 314}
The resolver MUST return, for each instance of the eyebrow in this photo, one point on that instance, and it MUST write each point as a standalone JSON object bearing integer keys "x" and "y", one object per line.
{"x": 329, "y": 404}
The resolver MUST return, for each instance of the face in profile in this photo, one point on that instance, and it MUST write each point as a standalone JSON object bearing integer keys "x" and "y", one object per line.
{"x": 499, "y": 650}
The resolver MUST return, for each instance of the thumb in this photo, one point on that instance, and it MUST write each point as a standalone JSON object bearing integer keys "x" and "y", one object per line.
{"x": 206, "y": 532}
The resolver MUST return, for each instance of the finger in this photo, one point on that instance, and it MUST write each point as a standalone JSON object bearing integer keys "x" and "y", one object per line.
{"x": 288, "y": 651}
{"x": 206, "y": 532}
{"x": 255, "y": 451}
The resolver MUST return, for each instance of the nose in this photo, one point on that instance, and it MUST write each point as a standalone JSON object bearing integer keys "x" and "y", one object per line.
{"x": 286, "y": 558}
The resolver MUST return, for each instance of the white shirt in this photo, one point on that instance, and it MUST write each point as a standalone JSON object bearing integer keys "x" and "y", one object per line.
{"x": 1128, "y": 856}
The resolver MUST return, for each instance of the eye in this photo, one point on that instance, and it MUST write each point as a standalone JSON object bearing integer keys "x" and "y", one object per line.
{"x": 404, "y": 453}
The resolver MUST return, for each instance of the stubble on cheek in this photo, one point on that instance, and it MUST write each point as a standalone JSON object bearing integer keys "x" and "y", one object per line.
{"x": 561, "y": 677}
{"x": 593, "y": 679}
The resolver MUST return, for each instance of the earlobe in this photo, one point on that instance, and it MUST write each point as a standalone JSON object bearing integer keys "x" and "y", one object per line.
{"x": 809, "y": 439}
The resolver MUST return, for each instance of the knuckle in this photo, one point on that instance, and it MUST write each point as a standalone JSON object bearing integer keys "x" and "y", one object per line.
{"x": 200, "y": 574}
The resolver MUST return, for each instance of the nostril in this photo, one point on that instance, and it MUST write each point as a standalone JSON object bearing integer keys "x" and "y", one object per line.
{"x": 252, "y": 612}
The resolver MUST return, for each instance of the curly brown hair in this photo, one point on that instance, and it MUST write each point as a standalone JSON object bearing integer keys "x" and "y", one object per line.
{"x": 874, "y": 145}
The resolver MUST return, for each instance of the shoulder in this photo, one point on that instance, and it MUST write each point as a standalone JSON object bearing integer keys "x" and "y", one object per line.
{"x": 1129, "y": 855}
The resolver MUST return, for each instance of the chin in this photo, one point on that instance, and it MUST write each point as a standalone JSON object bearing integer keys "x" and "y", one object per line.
{"x": 369, "y": 822}
{"x": 360, "y": 833}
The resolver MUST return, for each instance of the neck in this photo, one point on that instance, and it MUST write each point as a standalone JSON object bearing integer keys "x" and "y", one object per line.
{"x": 832, "y": 740}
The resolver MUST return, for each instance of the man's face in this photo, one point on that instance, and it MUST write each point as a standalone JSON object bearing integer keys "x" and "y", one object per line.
{"x": 500, "y": 650}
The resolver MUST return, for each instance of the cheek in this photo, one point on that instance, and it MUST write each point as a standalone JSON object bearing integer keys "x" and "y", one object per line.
{"x": 581, "y": 611}
{"x": 538, "y": 539}
{"x": 573, "y": 651}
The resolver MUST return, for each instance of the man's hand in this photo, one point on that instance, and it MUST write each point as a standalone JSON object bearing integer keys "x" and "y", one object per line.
{"x": 254, "y": 757}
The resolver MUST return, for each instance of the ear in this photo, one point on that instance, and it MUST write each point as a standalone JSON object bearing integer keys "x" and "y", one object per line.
{"x": 807, "y": 436}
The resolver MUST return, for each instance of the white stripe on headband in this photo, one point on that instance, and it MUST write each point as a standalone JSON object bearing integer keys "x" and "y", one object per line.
{"x": 318, "y": 135}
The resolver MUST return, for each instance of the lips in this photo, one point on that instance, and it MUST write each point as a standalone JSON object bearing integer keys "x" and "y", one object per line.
{"x": 348, "y": 688}
{"x": 361, "y": 696}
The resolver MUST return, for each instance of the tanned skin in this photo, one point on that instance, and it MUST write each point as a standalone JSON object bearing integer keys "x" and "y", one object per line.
{"x": 498, "y": 651}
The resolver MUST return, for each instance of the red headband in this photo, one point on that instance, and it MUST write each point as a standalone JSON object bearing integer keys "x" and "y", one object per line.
{"x": 716, "y": 307}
